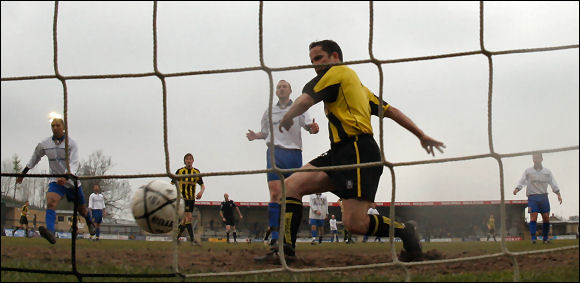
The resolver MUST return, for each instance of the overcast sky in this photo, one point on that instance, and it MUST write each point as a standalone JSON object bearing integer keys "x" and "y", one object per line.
{"x": 534, "y": 106}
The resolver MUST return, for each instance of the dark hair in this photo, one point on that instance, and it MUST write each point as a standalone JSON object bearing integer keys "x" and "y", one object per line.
{"x": 328, "y": 46}
{"x": 186, "y": 155}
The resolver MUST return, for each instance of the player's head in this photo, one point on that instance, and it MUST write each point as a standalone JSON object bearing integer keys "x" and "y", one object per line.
{"x": 57, "y": 126}
{"x": 188, "y": 160}
{"x": 27, "y": 202}
{"x": 96, "y": 188}
{"x": 537, "y": 158}
{"x": 324, "y": 52}
{"x": 283, "y": 90}
{"x": 226, "y": 196}
{"x": 373, "y": 204}
{"x": 332, "y": 216}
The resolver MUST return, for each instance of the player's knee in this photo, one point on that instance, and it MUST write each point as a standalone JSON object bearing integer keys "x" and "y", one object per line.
{"x": 51, "y": 204}
{"x": 275, "y": 188}
{"x": 356, "y": 226}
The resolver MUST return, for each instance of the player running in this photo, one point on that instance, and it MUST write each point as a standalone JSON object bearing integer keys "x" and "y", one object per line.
{"x": 53, "y": 148}
{"x": 187, "y": 187}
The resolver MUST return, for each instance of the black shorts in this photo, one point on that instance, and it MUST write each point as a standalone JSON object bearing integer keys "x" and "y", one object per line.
{"x": 229, "y": 221}
{"x": 189, "y": 203}
{"x": 23, "y": 220}
{"x": 359, "y": 183}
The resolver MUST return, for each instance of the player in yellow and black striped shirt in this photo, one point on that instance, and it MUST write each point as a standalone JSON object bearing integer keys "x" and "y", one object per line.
{"x": 23, "y": 219}
{"x": 187, "y": 187}
{"x": 348, "y": 105}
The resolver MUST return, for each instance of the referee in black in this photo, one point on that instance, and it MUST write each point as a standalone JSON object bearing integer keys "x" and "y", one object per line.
{"x": 187, "y": 188}
{"x": 227, "y": 215}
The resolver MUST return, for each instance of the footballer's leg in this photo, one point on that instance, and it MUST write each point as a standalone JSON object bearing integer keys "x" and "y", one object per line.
{"x": 52, "y": 200}
{"x": 356, "y": 220}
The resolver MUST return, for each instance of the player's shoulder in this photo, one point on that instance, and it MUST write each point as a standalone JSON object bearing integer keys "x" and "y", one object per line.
{"x": 341, "y": 71}
{"x": 196, "y": 170}
{"x": 45, "y": 140}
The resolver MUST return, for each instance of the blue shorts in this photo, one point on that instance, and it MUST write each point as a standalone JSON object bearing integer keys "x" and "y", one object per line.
{"x": 285, "y": 159}
{"x": 97, "y": 215}
{"x": 62, "y": 190}
{"x": 317, "y": 222}
{"x": 539, "y": 203}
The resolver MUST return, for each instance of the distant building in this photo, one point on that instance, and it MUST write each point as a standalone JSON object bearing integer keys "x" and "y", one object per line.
{"x": 450, "y": 220}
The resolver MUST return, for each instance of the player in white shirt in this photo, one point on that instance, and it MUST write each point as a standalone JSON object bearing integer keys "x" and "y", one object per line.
{"x": 55, "y": 150}
{"x": 536, "y": 179}
{"x": 318, "y": 213}
{"x": 287, "y": 150}
{"x": 97, "y": 209}
{"x": 333, "y": 228}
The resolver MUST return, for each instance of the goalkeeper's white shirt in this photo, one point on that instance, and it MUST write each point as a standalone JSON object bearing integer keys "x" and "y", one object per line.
{"x": 291, "y": 139}
{"x": 96, "y": 201}
{"x": 55, "y": 152}
{"x": 536, "y": 181}
{"x": 320, "y": 203}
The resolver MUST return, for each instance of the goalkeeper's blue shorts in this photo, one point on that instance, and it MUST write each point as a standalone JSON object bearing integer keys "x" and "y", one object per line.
{"x": 69, "y": 192}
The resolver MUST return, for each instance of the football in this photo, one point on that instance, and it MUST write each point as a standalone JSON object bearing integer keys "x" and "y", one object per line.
{"x": 154, "y": 205}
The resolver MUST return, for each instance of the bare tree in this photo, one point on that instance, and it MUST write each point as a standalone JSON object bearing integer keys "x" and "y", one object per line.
{"x": 9, "y": 186}
{"x": 116, "y": 192}
{"x": 7, "y": 183}
{"x": 31, "y": 189}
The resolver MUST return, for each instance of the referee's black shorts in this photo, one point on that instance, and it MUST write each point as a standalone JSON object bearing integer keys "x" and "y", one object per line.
{"x": 359, "y": 183}
{"x": 229, "y": 221}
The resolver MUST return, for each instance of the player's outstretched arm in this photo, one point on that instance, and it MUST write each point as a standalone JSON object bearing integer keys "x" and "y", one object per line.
{"x": 251, "y": 135}
{"x": 20, "y": 179}
{"x": 427, "y": 142}
{"x": 302, "y": 103}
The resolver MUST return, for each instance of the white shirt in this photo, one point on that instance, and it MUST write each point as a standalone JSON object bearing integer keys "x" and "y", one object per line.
{"x": 373, "y": 211}
{"x": 291, "y": 139}
{"x": 96, "y": 201}
{"x": 318, "y": 202}
{"x": 536, "y": 181}
{"x": 332, "y": 223}
{"x": 56, "y": 157}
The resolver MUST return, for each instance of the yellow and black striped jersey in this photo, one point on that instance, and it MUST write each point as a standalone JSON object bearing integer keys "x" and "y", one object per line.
{"x": 24, "y": 210}
{"x": 491, "y": 223}
{"x": 348, "y": 104}
{"x": 187, "y": 185}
